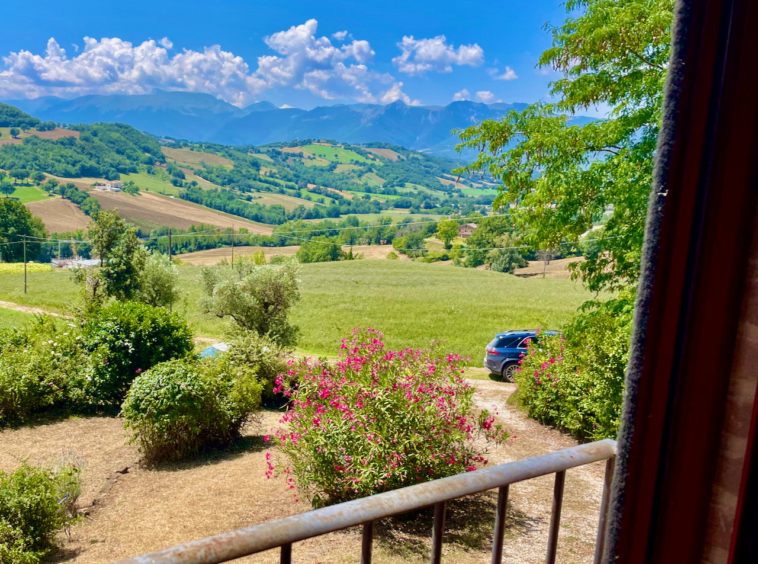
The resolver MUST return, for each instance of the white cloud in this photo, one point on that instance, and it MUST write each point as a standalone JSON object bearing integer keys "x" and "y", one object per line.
{"x": 462, "y": 95}
{"x": 301, "y": 59}
{"x": 284, "y": 107}
{"x": 485, "y": 96}
{"x": 340, "y": 35}
{"x": 114, "y": 66}
{"x": 422, "y": 55}
{"x": 395, "y": 93}
{"x": 508, "y": 74}
{"x": 76, "y": 47}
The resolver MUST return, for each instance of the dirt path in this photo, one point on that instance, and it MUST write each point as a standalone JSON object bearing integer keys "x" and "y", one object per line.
{"x": 150, "y": 509}
{"x": 28, "y": 309}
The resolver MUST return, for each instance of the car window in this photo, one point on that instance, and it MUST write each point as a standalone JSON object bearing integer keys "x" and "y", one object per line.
{"x": 505, "y": 342}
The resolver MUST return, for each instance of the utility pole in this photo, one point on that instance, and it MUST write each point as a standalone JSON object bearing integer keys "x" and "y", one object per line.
{"x": 232, "y": 246}
{"x": 24, "y": 236}
{"x": 59, "y": 249}
{"x": 169, "y": 244}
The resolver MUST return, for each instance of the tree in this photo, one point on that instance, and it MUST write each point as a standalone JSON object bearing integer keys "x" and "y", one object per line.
{"x": 320, "y": 249}
{"x": 50, "y": 185}
{"x": 38, "y": 177}
{"x": 105, "y": 233}
{"x": 447, "y": 230}
{"x": 158, "y": 281}
{"x": 16, "y": 221}
{"x": 7, "y": 188}
{"x": 256, "y": 298}
{"x": 19, "y": 173}
{"x": 564, "y": 177}
{"x": 14, "y": 132}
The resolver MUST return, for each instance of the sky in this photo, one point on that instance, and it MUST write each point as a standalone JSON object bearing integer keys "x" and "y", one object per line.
{"x": 293, "y": 53}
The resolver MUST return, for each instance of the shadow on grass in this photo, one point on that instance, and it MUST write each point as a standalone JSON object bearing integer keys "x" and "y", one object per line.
{"x": 242, "y": 446}
{"x": 469, "y": 524}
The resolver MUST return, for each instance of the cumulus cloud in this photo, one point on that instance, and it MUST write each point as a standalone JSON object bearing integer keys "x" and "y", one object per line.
{"x": 114, "y": 66}
{"x": 485, "y": 96}
{"x": 422, "y": 55}
{"x": 508, "y": 74}
{"x": 395, "y": 93}
{"x": 300, "y": 59}
{"x": 284, "y": 107}
{"x": 462, "y": 95}
{"x": 313, "y": 63}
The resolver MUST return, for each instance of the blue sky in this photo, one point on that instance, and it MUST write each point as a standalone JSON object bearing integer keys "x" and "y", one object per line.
{"x": 293, "y": 53}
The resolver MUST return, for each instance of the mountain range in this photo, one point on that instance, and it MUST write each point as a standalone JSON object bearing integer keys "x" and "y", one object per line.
{"x": 202, "y": 117}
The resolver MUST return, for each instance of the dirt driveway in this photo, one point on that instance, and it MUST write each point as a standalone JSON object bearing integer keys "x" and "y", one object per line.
{"x": 143, "y": 510}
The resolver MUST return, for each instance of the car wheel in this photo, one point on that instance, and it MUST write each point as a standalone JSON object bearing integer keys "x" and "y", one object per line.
{"x": 509, "y": 372}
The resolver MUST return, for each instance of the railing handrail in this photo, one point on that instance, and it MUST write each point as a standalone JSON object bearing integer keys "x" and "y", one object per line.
{"x": 286, "y": 531}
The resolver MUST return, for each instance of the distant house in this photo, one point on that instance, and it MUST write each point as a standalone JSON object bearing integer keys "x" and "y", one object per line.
{"x": 110, "y": 186}
{"x": 466, "y": 230}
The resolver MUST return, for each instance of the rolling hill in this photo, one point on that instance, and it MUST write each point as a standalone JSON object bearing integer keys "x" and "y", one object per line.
{"x": 201, "y": 117}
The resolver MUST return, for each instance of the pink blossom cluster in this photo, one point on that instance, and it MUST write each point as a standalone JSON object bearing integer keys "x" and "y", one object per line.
{"x": 377, "y": 419}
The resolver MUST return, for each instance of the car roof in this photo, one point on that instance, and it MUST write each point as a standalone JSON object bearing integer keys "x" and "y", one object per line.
{"x": 524, "y": 333}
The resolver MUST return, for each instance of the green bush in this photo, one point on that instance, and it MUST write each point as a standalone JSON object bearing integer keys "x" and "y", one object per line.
{"x": 181, "y": 408}
{"x": 35, "y": 364}
{"x": 30, "y": 515}
{"x": 253, "y": 354}
{"x": 575, "y": 381}
{"x": 124, "y": 340}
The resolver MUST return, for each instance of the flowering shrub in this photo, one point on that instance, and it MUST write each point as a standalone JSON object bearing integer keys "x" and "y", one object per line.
{"x": 378, "y": 420}
{"x": 575, "y": 381}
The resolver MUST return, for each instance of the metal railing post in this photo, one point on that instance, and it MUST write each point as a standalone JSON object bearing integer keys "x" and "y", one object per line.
{"x": 437, "y": 532}
{"x": 610, "y": 464}
{"x": 368, "y": 539}
{"x": 497, "y": 541}
{"x": 286, "y": 554}
{"x": 555, "y": 518}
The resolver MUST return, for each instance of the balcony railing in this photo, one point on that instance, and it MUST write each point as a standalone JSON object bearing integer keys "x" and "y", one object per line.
{"x": 285, "y": 532}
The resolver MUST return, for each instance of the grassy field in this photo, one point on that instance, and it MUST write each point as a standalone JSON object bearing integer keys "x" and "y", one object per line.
{"x": 29, "y": 194}
{"x": 11, "y": 318}
{"x": 333, "y": 154}
{"x": 478, "y": 192}
{"x": 410, "y": 302}
{"x": 149, "y": 182}
{"x": 195, "y": 158}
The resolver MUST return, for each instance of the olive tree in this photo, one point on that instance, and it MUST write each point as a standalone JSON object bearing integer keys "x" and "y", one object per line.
{"x": 256, "y": 298}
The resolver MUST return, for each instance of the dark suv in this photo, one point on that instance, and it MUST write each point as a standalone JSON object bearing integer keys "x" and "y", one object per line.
{"x": 505, "y": 350}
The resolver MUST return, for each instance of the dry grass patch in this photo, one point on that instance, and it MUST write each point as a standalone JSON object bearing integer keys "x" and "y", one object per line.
{"x": 215, "y": 256}
{"x": 386, "y": 153}
{"x": 171, "y": 212}
{"x": 557, "y": 268}
{"x": 151, "y": 509}
{"x": 195, "y": 158}
{"x": 59, "y": 215}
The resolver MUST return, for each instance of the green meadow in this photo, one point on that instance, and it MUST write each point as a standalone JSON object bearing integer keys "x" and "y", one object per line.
{"x": 412, "y": 303}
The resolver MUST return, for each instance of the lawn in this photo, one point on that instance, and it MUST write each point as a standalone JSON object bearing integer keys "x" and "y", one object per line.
{"x": 410, "y": 302}
{"x": 151, "y": 183}
{"x": 29, "y": 194}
